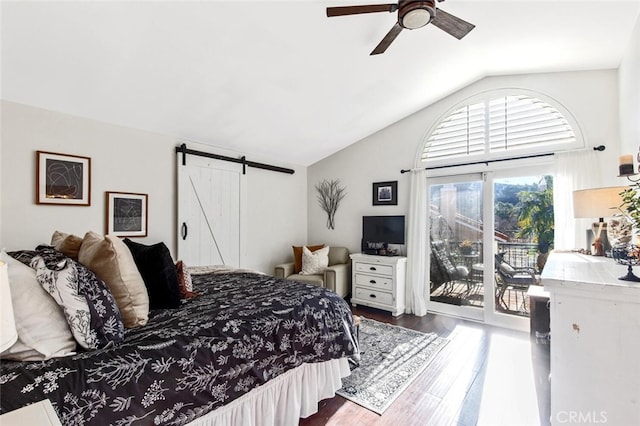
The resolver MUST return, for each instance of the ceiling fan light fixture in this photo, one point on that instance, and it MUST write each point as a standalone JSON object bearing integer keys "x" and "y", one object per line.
{"x": 412, "y": 14}
{"x": 416, "y": 14}
{"x": 416, "y": 18}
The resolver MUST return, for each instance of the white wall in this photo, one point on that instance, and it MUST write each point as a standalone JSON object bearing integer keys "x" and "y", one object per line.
{"x": 591, "y": 96}
{"x": 129, "y": 160}
{"x": 629, "y": 76}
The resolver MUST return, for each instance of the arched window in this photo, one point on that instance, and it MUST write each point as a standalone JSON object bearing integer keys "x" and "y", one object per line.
{"x": 496, "y": 126}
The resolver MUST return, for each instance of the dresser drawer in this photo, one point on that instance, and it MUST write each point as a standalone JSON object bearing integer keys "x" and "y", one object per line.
{"x": 382, "y": 283}
{"x": 374, "y": 296}
{"x": 373, "y": 268}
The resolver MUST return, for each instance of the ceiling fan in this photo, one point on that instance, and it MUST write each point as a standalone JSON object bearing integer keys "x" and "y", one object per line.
{"x": 411, "y": 15}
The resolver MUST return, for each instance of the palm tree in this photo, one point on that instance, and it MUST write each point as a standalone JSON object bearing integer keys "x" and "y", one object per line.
{"x": 535, "y": 217}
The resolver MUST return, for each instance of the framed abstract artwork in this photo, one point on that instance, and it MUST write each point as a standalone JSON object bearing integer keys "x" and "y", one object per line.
{"x": 385, "y": 193}
{"x": 63, "y": 179}
{"x": 126, "y": 214}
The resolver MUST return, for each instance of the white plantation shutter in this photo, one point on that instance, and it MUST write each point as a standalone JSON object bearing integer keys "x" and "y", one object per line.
{"x": 497, "y": 125}
{"x": 461, "y": 133}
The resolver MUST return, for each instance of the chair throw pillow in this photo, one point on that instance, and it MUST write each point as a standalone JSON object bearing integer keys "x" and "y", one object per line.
{"x": 507, "y": 269}
{"x": 158, "y": 273}
{"x": 314, "y": 262}
{"x": 297, "y": 256}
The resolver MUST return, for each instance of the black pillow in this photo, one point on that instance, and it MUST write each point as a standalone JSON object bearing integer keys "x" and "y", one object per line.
{"x": 158, "y": 273}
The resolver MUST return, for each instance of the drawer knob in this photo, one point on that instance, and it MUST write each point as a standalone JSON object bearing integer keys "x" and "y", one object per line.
{"x": 372, "y": 268}
{"x": 372, "y": 281}
{"x": 372, "y": 296}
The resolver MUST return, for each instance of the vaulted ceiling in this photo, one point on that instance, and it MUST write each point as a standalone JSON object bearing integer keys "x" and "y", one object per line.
{"x": 278, "y": 78}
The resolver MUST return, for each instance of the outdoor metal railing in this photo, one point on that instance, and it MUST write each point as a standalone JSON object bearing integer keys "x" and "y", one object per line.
{"x": 518, "y": 255}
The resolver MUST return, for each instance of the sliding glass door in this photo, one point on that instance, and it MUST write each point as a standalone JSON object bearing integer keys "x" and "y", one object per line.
{"x": 524, "y": 229}
{"x": 486, "y": 234}
{"x": 456, "y": 243}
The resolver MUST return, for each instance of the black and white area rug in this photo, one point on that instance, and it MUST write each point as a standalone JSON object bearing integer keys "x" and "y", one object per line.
{"x": 391, "y": 358}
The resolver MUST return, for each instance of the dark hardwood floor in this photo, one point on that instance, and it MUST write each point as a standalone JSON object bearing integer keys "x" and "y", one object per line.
{"x": 483, "y": 376}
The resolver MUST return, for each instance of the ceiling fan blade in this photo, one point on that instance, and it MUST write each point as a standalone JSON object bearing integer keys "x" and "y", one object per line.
{"x": 386, "y": 41}
{"x": 354, "y": 10}
{"x": 451, "y": 24}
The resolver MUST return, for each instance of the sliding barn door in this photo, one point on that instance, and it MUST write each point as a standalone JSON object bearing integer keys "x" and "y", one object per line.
{"x": 209, "y": 218}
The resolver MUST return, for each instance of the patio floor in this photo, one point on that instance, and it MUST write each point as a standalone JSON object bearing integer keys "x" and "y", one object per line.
{"x": 472, "y": 294}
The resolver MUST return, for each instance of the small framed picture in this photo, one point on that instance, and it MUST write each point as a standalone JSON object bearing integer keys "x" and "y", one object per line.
{"x": 385, "y": 193}
{"x": 126, "y": 214}
{"x": 63, "y": 179}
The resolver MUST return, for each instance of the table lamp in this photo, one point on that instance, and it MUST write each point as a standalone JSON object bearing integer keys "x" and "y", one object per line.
{"x": 597, "y": 203}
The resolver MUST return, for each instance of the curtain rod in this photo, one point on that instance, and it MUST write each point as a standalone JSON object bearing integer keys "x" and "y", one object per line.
{"x": 486, "y": 162}
{"x": 242, "y": 160}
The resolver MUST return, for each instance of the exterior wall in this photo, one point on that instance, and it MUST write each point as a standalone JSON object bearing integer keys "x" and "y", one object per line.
{"x": 129, "y": 160}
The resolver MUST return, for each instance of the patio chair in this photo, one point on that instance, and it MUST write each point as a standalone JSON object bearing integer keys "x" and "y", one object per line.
{"x": 443, "y": 268}
{"x": 513, "y": 281}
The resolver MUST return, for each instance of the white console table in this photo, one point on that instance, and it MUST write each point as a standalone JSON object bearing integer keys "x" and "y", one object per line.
{"x": 595, "y": 340}
{"x": 378, "y": 281}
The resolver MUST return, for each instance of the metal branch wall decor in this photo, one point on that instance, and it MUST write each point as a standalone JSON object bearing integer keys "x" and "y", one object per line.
{"x": 329, "y": 196}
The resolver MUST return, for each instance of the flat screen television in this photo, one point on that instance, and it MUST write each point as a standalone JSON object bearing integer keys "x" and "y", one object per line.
{"x": 383, "y": 229}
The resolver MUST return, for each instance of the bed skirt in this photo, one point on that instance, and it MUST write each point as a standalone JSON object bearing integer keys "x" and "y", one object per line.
{"x": 283, "y": 400}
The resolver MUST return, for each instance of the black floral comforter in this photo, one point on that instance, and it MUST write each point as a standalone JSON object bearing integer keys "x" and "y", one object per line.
{"x": 243, "y": 330}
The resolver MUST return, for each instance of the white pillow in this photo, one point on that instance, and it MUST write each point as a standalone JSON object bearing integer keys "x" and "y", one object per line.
{"x": 314, "y": 262}
{"x": 43, "y": 331}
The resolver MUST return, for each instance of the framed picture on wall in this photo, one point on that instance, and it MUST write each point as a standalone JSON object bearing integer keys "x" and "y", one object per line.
{"x": 385, "y": 193}
{"x": 63, "y": 179}
{"x": 127, "y": 214}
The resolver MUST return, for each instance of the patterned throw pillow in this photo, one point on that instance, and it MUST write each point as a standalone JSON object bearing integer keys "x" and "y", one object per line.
{"x": 314, "y": 262}
{"x": 26, "y": 256}
{"x": 82, "y": 296}
{"x": 106, "y": 320}
{"x": 184, "y": 281}
{"x": 62, "y": 285}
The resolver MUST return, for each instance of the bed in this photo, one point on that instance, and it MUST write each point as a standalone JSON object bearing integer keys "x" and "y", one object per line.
{"x": 249, "y": 349}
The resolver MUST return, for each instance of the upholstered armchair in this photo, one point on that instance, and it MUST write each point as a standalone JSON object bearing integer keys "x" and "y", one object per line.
{"x": 336, "y": 277}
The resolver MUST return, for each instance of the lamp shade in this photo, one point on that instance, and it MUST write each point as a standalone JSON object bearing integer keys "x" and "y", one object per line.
{"x": 597, "y": 202}
{"x": 8, "y": 333}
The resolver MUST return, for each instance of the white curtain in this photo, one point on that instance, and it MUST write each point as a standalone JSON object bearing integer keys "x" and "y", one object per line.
{"x": 572, "y": 171}
{"x": 417, "y": 256}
